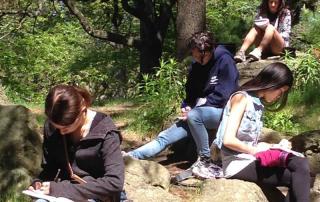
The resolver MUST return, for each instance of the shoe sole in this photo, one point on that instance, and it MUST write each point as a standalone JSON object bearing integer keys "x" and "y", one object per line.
{"x": 253, "y": 58}
{"x": 238, "y": 59}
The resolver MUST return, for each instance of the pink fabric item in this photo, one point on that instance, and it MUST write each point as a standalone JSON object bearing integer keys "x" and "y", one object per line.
{"x": 272, "y": 158}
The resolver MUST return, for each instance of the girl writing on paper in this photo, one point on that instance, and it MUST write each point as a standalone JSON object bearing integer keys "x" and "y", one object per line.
{"x": 81, "y": 154}
{"x": 242, "y": 156}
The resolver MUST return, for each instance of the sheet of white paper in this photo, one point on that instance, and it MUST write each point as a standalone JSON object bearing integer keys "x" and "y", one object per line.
{"x": 40, "y": 195}
{"x": 276, "y": 146}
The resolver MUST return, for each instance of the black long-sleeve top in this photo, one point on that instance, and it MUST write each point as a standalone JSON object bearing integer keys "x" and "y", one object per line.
{"x": 96, "y": 159}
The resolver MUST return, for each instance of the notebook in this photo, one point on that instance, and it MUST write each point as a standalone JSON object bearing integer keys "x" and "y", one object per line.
{"x": 277, "y": 146}
{"x": 39, "y": 195}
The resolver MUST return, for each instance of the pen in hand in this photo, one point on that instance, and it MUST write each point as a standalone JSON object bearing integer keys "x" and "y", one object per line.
{"x": 56, "y": 178}
{"x": 184, "y": 112}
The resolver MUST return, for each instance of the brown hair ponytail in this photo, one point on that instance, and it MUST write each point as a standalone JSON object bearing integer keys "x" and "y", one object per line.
{"x": 64, "y": 103}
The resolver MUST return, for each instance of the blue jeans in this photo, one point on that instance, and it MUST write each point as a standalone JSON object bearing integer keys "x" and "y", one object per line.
{"x": 199, "y": 120}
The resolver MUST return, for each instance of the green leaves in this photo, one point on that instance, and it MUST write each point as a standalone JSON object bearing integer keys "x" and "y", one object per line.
{"x": 36, "y": 61}
{"x": 161, "y": 94}
{"x": 306, "y": 70}
{"x": 230, "y": 20}
{"x": 306, "y": 33}
{"x": 282, "y": 121}
{"x": 303, "y": 100}
{"x": 61, "y": 52}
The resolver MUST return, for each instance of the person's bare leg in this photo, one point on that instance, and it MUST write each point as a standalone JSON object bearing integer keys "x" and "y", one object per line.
{"x": 273, "y": 39}
{"x": 277, "y": 43}
{"x": 250, "y": 38}
{"x": 254, "y": 36}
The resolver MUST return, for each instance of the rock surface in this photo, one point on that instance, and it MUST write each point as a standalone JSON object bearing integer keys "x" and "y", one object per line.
{"x": 146, "y": 181}
{"x": 228, "y": 190}
{"x": 270, "y": 136}
{"x": 249, "y": 70}
{"x": 20, "y": 147}
{"x": 315, "y": 190}
{"x": 309, "y": 144}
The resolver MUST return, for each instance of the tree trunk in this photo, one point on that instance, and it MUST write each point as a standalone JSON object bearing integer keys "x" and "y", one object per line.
{"x": 151, "y": 48}
{"x": 190, "y": 19}
{"x": 153, "y": 28}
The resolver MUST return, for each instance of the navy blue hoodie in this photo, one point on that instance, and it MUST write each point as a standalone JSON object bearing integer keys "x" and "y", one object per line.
{"x": 215, "y": 81}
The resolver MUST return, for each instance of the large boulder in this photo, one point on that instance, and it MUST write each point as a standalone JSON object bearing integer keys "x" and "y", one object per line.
{"x": 309, "y": 144}
{"x": 146, "y": 181}
{"x": 249, "y": 70}
{"x": 315, "y": 190}
{"x": 20, "y": 148}
{"x": 217, "y": 190}
{"x": 270, "y": 136}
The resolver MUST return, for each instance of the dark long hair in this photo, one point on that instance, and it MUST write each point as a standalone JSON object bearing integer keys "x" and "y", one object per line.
{"x": 64, "y": 103}
{"x": 264, "y": 8}
{"x": 273, "y": 76}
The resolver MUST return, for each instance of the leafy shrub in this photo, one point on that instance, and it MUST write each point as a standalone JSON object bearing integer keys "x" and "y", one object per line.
{"x": 61, "y": 52}
{"x": 13, "y": 196}
{"x": 306, "y": 70}
{"x": 230, "y": 20}
{"x": 281, "y": 121}
{"x": 32, "y": 62}
{"x": 309, "y": 96}
{"x": 306, "y": 33}
{"x": 161, "y": 94}
{"x": 305, "y": 93}
{"x": 305, "y": 107}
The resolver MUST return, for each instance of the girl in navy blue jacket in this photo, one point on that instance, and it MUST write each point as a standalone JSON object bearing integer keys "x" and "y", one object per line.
{"x": 212, "y": 78}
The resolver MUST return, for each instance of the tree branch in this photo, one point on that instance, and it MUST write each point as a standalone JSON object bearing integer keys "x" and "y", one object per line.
{"x": 16, "y": 12}
{"x": 21, "y": 21}
{"x": 164, "y": 18}
{"x": 116, "y": 19}
{"x": 24, "y": 12}
{"x": 100, "y": 34}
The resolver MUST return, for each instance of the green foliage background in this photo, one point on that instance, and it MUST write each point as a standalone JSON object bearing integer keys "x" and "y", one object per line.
{"x": 54, "y": 49}
{"x": 306, "y": 33}
{"x": 60, "y": 52}
{"x": 160, "y": 96}
{"x": 230, "y": 20}
{"x": 302, "y": 111}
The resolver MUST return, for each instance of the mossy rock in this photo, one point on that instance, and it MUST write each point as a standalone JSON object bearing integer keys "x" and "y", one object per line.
{"x": 20, "y": 148}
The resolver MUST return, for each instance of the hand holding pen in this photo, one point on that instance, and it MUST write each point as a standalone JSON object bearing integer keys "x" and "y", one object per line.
{"x": 184, "y": 113}
{"x": 44, "y": 187}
